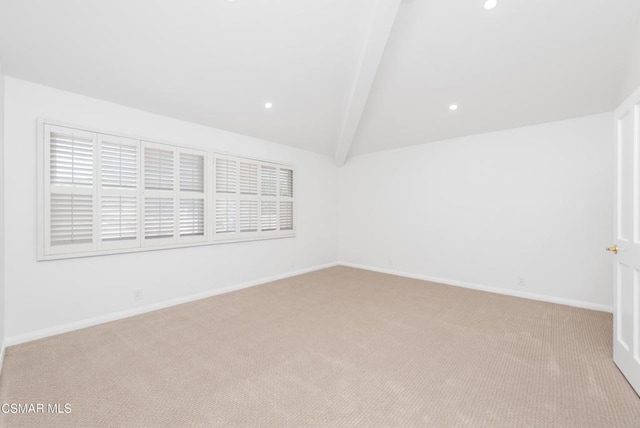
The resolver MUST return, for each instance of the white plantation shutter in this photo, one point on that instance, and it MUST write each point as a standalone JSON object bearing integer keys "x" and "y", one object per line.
{"x": 268, "y": 193}
{"x": 226, "y": 214}
{"x": 118, "y": 192}
{"x": 286, "y": 215}
{"x": 159, "y": 215}
{"x": 192, "y": 195}
{"x": 71, "y": 219}
{"x": 226, "y": 196}
{"x": 160, "y": 205}
{"x": 268, "y": 180}
{"x": 158, "y": 168}
{"x": 69, "y": 190}
{"x": 248, "y": 178}
{"x": 286, "y": 182}
{"x": 249, "y": 217}
{"x": 192, "y": 172}
{"x": 252, "y": 199}
{"x": 71, "y": 156}
{"x": 192, "y": 217}
{"x": 226, "y": 175}
{"x": 118, "y": 164}
{"x": 119, "y": 218}
{"x": 104, "y": 194}
{"x": 158, "y": 220}
{"x": 249, "y": 214}
{"x": 268, "y": 216}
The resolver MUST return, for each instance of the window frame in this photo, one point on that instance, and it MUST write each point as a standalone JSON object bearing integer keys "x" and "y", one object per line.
{"x": 97, "y": 248}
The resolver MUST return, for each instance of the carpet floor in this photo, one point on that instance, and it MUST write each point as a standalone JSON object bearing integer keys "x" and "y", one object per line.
{"x": 338, "y": 347}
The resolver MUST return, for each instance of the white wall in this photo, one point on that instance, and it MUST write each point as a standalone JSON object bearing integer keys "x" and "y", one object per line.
{"x": 483, "y": 210}
{"x": 631, "y": 76}
{"x": 50, "y": 294}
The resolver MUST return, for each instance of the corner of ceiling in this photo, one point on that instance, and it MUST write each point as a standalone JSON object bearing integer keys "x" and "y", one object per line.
{"x": 369, "y": 59}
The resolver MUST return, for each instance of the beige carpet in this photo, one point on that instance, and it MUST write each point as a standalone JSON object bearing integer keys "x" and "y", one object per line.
{"x": 338, "y": 347}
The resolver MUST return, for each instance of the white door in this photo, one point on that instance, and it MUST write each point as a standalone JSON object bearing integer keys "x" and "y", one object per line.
{"x": 626, "y": 295}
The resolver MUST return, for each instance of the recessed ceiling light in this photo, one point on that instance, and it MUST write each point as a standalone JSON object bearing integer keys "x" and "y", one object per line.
{"x": 231, "y": 1}
{"x": 268, "y": 105}
{"x": 453, "y": 107}
{"x": 490, "y": 4}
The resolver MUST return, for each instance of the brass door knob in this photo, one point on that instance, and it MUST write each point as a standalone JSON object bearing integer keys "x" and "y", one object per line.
{"x": 613, "y": 249}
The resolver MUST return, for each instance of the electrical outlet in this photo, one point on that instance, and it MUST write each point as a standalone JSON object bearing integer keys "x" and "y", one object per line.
{"x": 521, "y": 281}
{"x": 390, "y": 262}
{"x": 137, "y": 294}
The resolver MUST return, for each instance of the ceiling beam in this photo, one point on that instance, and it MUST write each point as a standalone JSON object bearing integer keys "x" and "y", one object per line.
{"x": 379, "y": 31}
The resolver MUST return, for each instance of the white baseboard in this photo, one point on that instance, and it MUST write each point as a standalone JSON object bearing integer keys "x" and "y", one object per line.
{"x": 498, "y": 290}
{"x": 65, "y": 328}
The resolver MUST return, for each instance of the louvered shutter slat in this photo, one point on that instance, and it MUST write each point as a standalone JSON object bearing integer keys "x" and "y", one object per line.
{"x": 71, "y": 160}
{"x": 71, "y": 165}
{"x": 191, "y": 172}
{"x": 118, "y": 165}
{"x": 268, "y": 180}
{"x": 191, "y": 222}
{"x": 191, "y": 217}
{"x": 249, "y": 216}
{"x": 158, "y": 173}
{"x": 268, "y": 220}
{"x": 286, "y": 182}
{"x": 158, "y": 220}
{"x": 159, "y": 176}
{"x": 225, "y": 216}
{"x": 119, "y": 207}
{"x": 248, "y": 178}
{"x": 226, "y": 176}
{"x": 286, "y": 215}
{"x": 119, "y": 218}
{"x": 71, "y": 219}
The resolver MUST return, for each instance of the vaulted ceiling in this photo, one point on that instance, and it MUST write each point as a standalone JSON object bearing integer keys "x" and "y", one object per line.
{"x": 343, "y": 77}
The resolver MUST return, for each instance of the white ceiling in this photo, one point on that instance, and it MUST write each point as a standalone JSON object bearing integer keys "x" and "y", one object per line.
{"x": 216, "y": 63}
{"x": 211, "y": 62}
{"x": 525, "y": 62}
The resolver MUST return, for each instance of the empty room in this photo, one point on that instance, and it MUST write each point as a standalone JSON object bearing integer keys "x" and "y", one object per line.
{"x": 292, "y": 213}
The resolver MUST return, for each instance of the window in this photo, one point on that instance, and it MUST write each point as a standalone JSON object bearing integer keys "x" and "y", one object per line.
{"x": 70, "y": 190}
{"x": 248, "y": 199}
{"x": 118, "y": 192}
{"x": 191, "y": 195}
{"x": 159, "y": 194}
{"x": 105, "y": 194}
